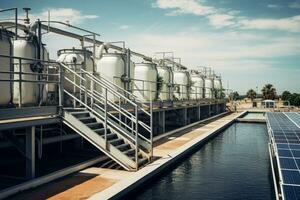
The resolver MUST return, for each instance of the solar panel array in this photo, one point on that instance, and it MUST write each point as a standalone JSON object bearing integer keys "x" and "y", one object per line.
{"x": 295, "y": 117}
{"x": 286, "y": 137}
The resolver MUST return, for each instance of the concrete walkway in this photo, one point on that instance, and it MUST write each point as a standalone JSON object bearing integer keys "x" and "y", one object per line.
{"x": 99, "y": 183}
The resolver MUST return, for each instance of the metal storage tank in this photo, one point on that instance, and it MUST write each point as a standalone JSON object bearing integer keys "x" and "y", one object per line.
{"x": 218, "y": 86}
{"x": 75, "y": 59}
{"x": 112, "y": 67}
{"x": 166, "y": 75}
{"x": 27, "y": 47}
{"x": 182, "y": 84}
{"x": 197, "y": 85}
{"x": 145, "y": 83}
{"x": 209, "y": 86}
{"x": 5, "y": 65}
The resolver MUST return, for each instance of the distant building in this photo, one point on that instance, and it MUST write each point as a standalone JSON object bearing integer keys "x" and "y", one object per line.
{"x": 268, "y": 103}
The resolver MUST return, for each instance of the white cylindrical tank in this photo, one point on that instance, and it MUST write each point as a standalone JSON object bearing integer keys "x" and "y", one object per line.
{"x": 75, "y": 59}
{"x": 112, "y": 66}
{"x": 182, "y": 84}
{"x": 27, "y": 47}
{"x": 209, "y": 86}
{"x": 197, "y": 85}
{"x": 218, "y": 87}
{"x": 145, "y": 83}
{"x": 166, "y": 77}
{"x": 5, "y": 65}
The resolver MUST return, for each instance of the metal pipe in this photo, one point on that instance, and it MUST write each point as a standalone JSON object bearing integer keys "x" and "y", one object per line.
{"x": 75, "y": 36}
{"x": 16, "y": 19}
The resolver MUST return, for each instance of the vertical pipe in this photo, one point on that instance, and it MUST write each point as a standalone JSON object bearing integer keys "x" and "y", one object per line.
{"x": 20, "y": 83}
{"x": 127, "y": 70}
{"x": 120, "y": 111}
{"x": 92, "y": 93}
{"x": 16, "y": 23}
{"x": 151, "y": 128}
{"x": 136, "y": 138}
{"x": 105, "y": 119}
{"x": 74, "y": 87}
{"x": 61, "y": 88}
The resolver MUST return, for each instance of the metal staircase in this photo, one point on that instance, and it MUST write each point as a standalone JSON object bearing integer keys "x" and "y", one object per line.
{"x": 108, "y": 117}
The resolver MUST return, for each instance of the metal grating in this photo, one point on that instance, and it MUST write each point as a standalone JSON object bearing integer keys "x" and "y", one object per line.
{"x": 284, "y": 132}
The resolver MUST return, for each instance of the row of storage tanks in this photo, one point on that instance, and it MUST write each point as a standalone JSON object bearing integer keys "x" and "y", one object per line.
{"x": 149, "y": 81}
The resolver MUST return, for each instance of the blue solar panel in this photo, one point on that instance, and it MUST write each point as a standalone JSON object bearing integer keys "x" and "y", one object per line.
{"x": 285, "y": 137}
{"x": 284, "y": 153}
{"x": 287, "y": 163}
{"x": 291, "y": 192}
{"x": 294, "y": 117}
{"x": 291, "y": 176}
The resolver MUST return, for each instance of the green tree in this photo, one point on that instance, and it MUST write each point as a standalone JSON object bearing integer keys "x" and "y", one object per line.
{"x": 235, "y": 95}
{"x": 285, "y": 95}
{"x": 297, "y": 100}
{"x": 251, "y": 94}
{"x": 268, "y": 92}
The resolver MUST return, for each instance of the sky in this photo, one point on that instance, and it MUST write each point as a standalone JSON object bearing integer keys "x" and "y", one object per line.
{"x": 250, "y": 43}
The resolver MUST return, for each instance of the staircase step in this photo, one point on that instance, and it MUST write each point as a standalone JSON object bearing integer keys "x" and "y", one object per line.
{"x": 117, "y": 141}
{"x": 81, "y": 114}
{"x": 129, "y": 152}
{"x": 112, "y": 136}
{"x": 107, "y": 163}
{"x": 87, "y": 119}
{"x": 123, "y": 147}
{"x": 100, "y": 131}
{"x": 94, "y": 125}
{"x": 113, "y": 165}
{"x": 143, "y": 161}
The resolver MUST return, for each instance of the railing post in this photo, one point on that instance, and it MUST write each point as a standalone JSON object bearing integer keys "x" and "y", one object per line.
{"x": 61, "y": 89}
{"x": 20, "y": 83}
{"x": 74, "y": 87}
{"x": 92, "y": 93}
{"x": 120, "y": 116}
{"x": 105, "y": 119}
{"x": 150, "y": 121}
{"x": 136, "y": 138}
{"x": 80, "y": 91}
{"x": 86, "y": 89}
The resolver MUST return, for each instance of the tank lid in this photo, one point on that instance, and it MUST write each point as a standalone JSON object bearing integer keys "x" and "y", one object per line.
{"x": 81, "y": 51}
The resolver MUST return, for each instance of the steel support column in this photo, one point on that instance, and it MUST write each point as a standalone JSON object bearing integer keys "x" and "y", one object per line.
{"x": 198, "y": 113}
{"x": 162, "y": 122}
{"x": 30, "y": 153}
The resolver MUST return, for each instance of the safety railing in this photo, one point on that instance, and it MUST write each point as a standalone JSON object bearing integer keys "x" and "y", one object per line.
{"x": 116, "y": 110}
{"x": 31, "y": 82}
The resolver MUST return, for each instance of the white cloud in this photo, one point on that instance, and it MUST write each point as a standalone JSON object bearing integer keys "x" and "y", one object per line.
{"x": 124, "y": 27}
{"x": 220, "y": 20}
{"x": 273, "y": 6}
{"x": 291, "y": 24}
{"x": 70, "y": 15}
{"x": 184, "y": 7}
{"x": 294, "y": 5}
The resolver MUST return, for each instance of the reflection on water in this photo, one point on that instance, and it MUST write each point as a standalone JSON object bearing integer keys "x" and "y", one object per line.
{"x": 234, "y": 165}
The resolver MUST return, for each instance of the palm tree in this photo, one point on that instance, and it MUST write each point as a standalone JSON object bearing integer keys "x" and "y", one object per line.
{"x": 268, "y": 92}
{"x": 251, "y": 94}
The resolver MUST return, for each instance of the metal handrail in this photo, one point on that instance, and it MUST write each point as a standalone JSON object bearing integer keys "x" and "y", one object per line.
{"x": 100, "y": 100}
{"x": 148, "y": 128}
{"x": 19, "y": 76}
